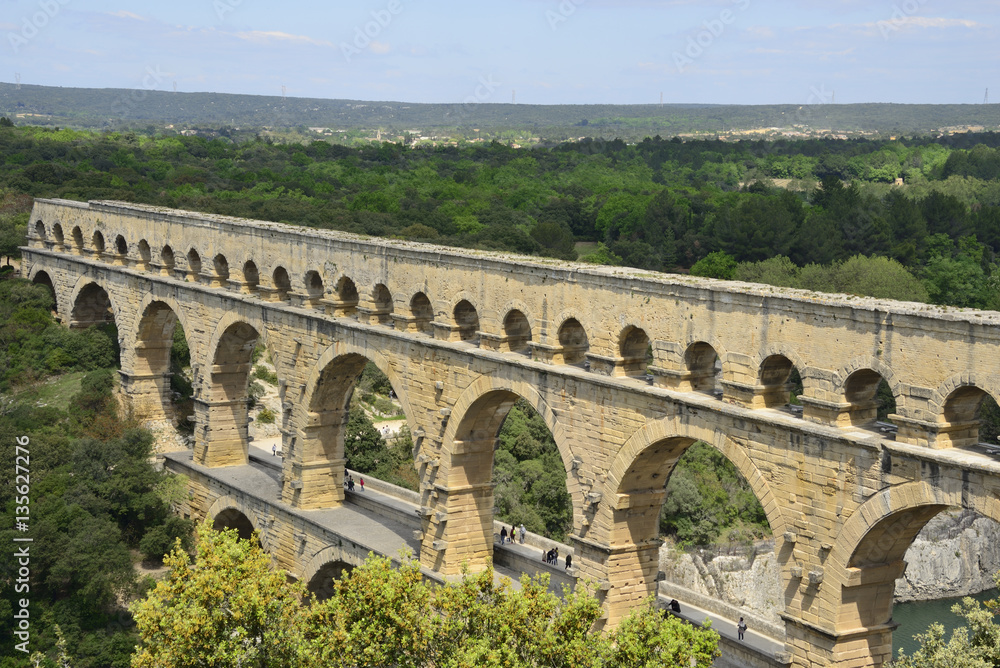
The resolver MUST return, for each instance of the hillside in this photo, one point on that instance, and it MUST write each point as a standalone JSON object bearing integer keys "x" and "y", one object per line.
{"x": 116, "y": 107}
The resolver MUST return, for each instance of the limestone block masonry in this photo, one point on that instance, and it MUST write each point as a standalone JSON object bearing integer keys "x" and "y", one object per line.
{"x": 627, "y": 368}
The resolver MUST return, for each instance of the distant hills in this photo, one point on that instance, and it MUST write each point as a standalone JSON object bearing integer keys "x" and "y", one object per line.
{"x": 123, "y": 108}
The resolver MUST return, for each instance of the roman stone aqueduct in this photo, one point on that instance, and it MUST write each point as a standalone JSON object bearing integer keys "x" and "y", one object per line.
{"x": 463, "y": 334}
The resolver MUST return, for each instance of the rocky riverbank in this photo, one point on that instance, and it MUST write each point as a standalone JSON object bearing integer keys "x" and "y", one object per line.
{"x": 956, "y": 554}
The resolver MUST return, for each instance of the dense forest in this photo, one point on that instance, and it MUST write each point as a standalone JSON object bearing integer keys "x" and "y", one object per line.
{"x": 660, "y": 204}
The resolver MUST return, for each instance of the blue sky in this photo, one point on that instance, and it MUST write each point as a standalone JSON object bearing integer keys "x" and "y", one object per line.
{"x": 548, "y": 51}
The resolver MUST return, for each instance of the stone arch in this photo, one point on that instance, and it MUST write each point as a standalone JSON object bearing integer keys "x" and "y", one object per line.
{"x": 703, "y": 366}
{"x": 57, "y": 235}
{"x": 346, "y": 297}
{"x": 469, "y": 441}
{"x": 422, "y": 313}
{"x": 282, "y": 284}
{"x": 314, "y": 289}
{"x": 121, "y": 249}
{"x": 222, "y": 438}
{"x": 145, "y": 254}
{"x": 465, "y": 319}
{"x": 41, "y": 277}
{"x": 517, "y": 331}
{"x": 774, "y": 372}
{"x": 251, "y": 277}
{"x": 167, "y": 260}
{"x": 40, "y": 233}
{"x": 633, "y": 496}
{"x": 194, "y": 266}
{"x": 92, "y": 304}
{"x": 220, "y": 270}
{"x": 867, "y": 558}
{"x": 667, "y": 429}
{"x": 148, "y": 378}
{"x": 320, "y": 449}
{"x": 857, "y": 384}
{"x": 77, "y": 235}
{"x": 635, "y": 351}
{"x": 97, "y": 243}
{"x": 227, "y": 507}
{"x": 956, "y": 405}
{"x": 382, "y": 303}
{"x": 319, "y": 567}
{"x": 573, "y": 341}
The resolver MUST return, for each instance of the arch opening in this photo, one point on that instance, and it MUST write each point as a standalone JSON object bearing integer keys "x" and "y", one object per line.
{"x": 220, "y": 267}
{"x": 92, "y": 307}
{"x": 962, "y": 412}
{"x": 870, "y": 398}
{"x": 43, "y": 278}
{"x": 382, "y": 304}
{"x": 314, "y": 287}
{"x": 57, "y": 234}
{"x": 704, "y": 368}
{"x": 40, "y": 233}
{"x": 422, "y": 313}
{"x": 517, "y": 331}
{"x": 230, "y": 518}
{"x": 194, "y": 266}
{"x": 282, "y": 284}
{"x": 251, "y": 277}
{"x": 573, "y": 342}
{"x": 97, "y": 243}
{"x": 693, "y": 496}
{"x": 356, "y": 422}
{"x": 167, "y": 260}
{"x": 780, "y": 383}
{"x": 321, "y": 584}
{"x": 77, "y": 240}
{"x": 226, "y": 441}
{"x": 636, "y": 351}
{"x": 466, "y": 320}
{"x": 121, "y": 249}
{"x": 510, "y": 471}
{"x": 346, "y": 303}
{"x": 145, "y": 254}
{"x": 162, "y": 387}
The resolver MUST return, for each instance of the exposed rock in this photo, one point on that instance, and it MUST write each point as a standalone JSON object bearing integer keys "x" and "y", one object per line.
{"x": 955, "y": 555}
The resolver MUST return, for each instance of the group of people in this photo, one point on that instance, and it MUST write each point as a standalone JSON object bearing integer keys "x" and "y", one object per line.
{"x": 508, "y": 536}
{"x": 552, "y": 557}
{"x": 349, "y": 482}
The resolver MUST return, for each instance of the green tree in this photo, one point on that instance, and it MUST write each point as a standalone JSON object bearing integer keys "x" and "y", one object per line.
{"x": 716, "y": 265}
{"x": 227, "y": 607}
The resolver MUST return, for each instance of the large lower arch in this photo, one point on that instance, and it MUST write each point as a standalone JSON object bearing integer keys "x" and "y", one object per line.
{"x": 40, "y": 277}
{"x": 461, "y": 532}
{"x": 315, "y": 470}
{"x": 627, "y": 516}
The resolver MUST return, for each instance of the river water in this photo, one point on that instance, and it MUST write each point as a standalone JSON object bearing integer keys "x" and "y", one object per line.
{"x": 916, "y": 616}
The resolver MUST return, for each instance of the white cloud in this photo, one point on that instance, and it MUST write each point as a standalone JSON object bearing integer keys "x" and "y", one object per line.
{"x": 275, "y": 36}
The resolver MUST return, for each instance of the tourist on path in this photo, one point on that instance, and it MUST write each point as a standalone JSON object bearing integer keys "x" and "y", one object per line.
{"x": 522, "y": 532}
{"x": 361, "y": 481}
{"x": 741, "y": 628}
{"x": 503, "y": 535}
